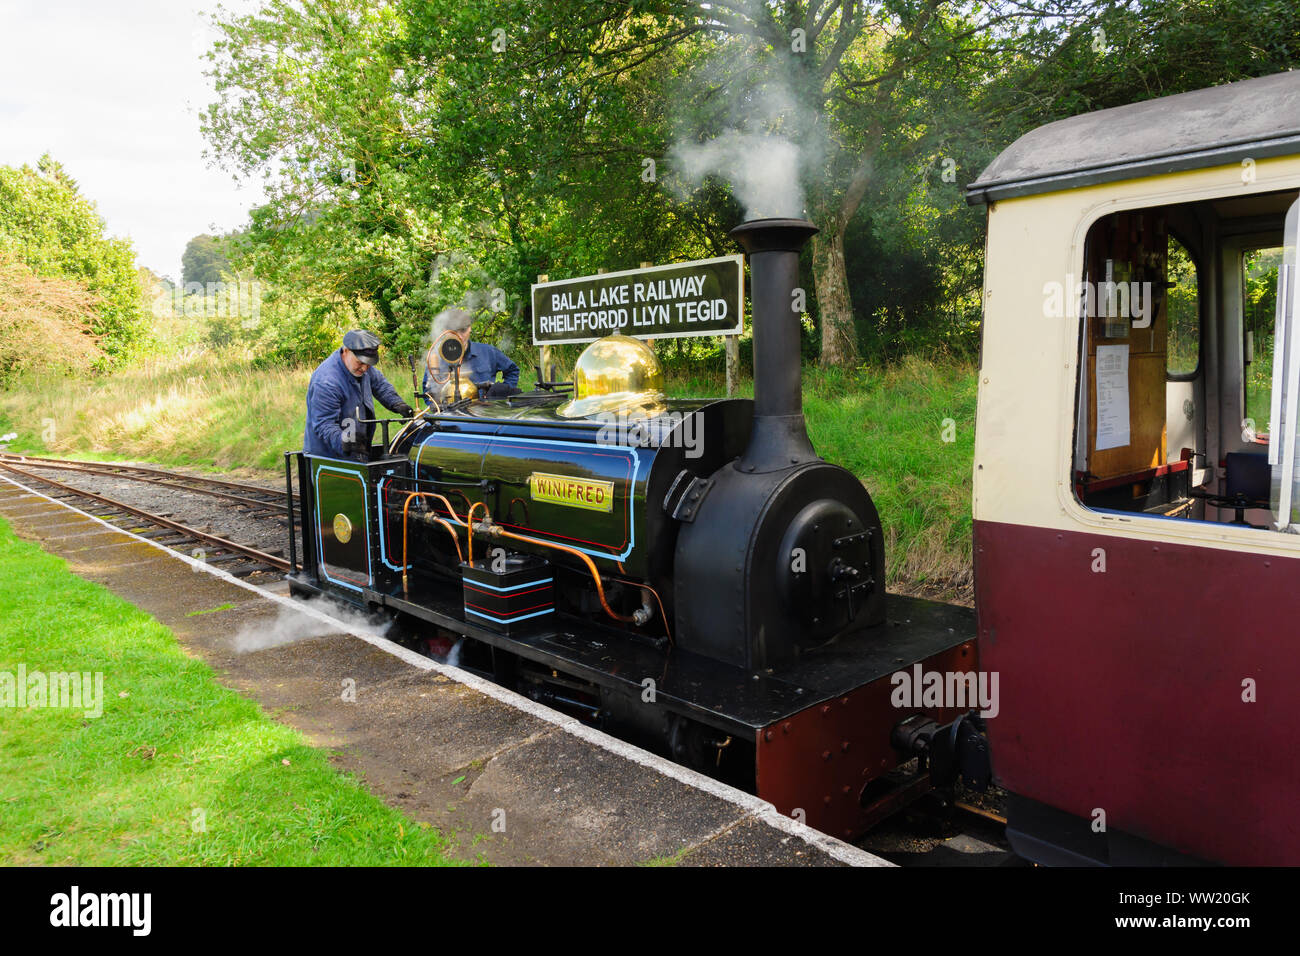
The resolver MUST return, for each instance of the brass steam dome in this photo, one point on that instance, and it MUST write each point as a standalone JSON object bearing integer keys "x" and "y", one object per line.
{"x": 444, "y": 393}
{"x": 616, "y": 374}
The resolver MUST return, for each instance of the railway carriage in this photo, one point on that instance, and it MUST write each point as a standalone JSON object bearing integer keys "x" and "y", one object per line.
{"x": 1137, "y": 564}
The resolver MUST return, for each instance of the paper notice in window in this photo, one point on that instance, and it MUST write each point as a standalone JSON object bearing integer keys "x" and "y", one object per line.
{"x": 1112, "y": 396}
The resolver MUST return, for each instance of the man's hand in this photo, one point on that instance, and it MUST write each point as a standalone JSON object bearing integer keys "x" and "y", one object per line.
{"x": 404, "y": 411}
{"x": 355, "y": 450}
{"x": 501, "y": 390}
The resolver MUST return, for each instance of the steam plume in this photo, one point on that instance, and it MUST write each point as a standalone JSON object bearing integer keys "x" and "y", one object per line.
{"x": 290, "y": 626}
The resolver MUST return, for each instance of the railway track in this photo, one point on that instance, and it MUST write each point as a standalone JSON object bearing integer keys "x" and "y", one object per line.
{"x": 264, "y": 502}
{"x": 238, "y": 559}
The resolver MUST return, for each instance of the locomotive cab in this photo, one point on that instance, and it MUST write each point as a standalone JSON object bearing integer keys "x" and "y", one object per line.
{"x": 1135, "y": 515}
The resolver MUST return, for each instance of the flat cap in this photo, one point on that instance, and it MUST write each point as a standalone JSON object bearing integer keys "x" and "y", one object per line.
{"x": 364, "y": 345}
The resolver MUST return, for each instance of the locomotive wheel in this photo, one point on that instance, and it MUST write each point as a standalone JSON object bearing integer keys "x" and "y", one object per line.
{"x": 691, "y": 744}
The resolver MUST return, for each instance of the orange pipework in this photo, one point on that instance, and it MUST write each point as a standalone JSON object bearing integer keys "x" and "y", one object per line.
{"x": 495, "y": 530}
{"x": 446, "y": 503}
{"x": 658, "y": 600}
{"x": 406, "y": 505}
{"x": 469, "y": 523}
{"x": 591, "y": 566}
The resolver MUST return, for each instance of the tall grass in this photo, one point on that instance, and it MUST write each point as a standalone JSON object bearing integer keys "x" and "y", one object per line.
{"x": 908, "y": 431}
{"x": 886, "y": 424}
{"x": 213, "y": 410}
{"x": 208, "y": 409}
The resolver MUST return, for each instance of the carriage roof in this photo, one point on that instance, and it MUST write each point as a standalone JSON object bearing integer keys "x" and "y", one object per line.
{"x": 1212, "y": 127}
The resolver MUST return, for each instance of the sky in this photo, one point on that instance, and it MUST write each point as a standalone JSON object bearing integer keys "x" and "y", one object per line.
{"x": 112, "y": 90}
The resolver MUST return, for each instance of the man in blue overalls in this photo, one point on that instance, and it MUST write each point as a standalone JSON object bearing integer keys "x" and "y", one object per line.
{"x": 341, "y": 394}
{"x": 480, "y": 364}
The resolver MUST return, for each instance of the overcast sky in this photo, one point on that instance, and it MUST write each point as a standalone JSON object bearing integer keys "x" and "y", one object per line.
{"x": 112, "y": 89}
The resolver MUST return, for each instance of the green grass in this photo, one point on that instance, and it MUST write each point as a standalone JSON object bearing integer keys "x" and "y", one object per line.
{"x": 210, "y": 610}
{"x": 212, "y": 410}
{"x": 127, "y": 788}
{"x": 886, "y": 425}
{"x": 669, "y": 859}
{"x": 1259, "y": 385}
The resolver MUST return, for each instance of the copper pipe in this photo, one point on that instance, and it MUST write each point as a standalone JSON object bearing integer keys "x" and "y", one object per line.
{"x": 497, "y": 531}
{"x": 433, "y": 494}
{"x": 721, "y": 747}
{"x": 455, "y": 539}
{"x": 469, "y": 522}
{"x": 980, "y": 812}
{"x": 406, "y": 505}
{"x": 418, "y": 416}
{"x": 645, "y": 587}
{"x": 393, "y": 444}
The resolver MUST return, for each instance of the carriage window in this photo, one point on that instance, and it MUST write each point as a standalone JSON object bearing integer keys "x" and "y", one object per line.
{"x": 1140, "y": 350}
{"x": 1183, "y": 306}
{"x": 1152, "y": 435}
{"x": 1259, "y": 268}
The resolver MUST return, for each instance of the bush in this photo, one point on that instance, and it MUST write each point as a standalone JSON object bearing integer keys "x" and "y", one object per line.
{"x": 45, "y": 324}
{"x": 274, "y": 328}
{"x": 49, "y": 227}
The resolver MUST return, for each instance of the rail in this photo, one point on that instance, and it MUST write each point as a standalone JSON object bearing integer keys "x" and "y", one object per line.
{"x": 191, "y": 534}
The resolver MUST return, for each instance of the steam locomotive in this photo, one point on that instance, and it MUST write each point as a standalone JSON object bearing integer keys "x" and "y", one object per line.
{"x": 704, "y": 582}
{"x": 688, "y": 574}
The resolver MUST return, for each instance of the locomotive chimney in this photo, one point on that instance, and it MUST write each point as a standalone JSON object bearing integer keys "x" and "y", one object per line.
{"x": 779, "y": 438}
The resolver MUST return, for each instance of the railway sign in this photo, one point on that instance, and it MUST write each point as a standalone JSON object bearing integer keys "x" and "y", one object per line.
{"x": 704, "y": 297}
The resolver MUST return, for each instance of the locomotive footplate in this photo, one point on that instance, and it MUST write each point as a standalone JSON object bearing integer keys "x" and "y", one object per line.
{"x": 821, "y": 727}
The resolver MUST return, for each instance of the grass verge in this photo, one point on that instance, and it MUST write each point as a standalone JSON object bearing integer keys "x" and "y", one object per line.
{"x": 178, "y": 770}
{"x": 198, "y": 408}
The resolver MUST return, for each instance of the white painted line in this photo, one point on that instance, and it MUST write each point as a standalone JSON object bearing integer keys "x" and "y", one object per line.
{"x": 753, "y": 806}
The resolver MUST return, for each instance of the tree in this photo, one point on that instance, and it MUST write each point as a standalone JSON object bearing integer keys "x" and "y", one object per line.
{"x": 1133, "y": 50}
{"x": 843, "y": 88}
{"x": 204, "y": 260}
{"x": 310, "y": 98}
{"x": 49, "y": 227}
{"x": 420, "y": 152}
{"x": 541, "y": 141}
{"x": 45, "y": 323}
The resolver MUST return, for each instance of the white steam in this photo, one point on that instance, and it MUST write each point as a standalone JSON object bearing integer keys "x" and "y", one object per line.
{"x": 769, "y": 139}
{"x": 763, "y": 169}
{"x": 291, "y": 626}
